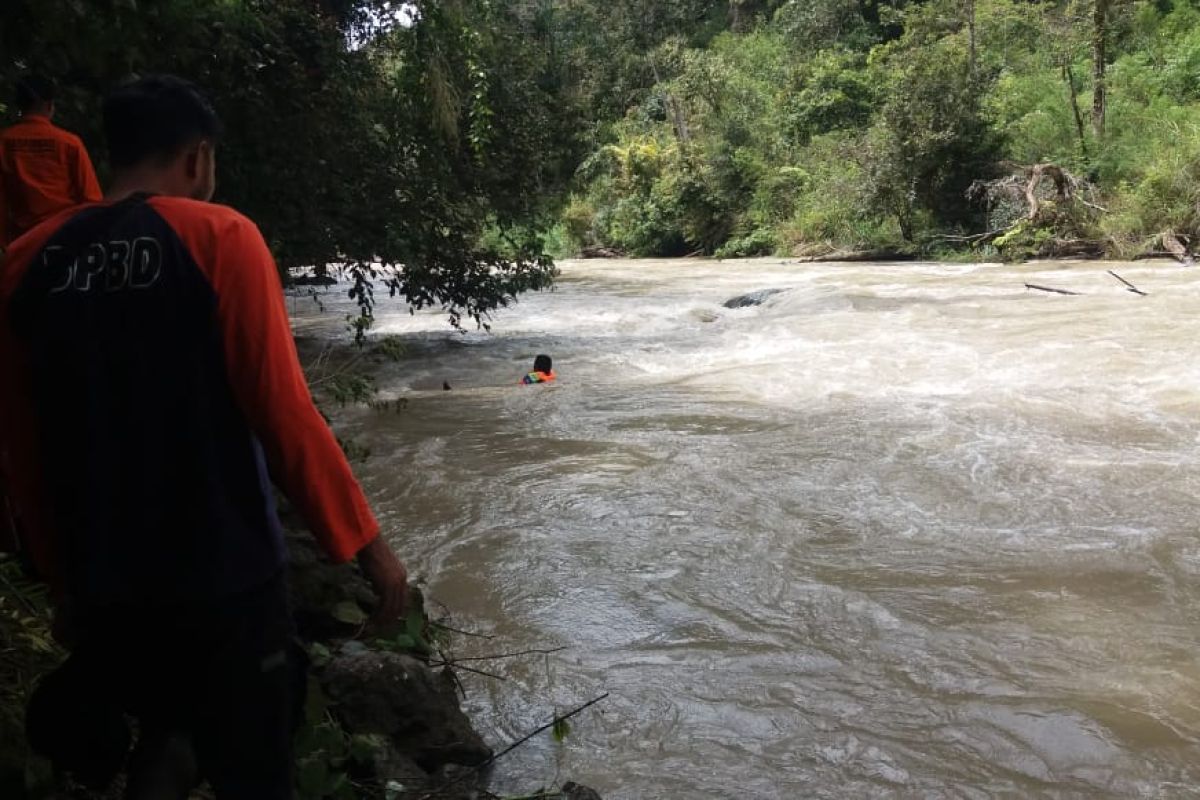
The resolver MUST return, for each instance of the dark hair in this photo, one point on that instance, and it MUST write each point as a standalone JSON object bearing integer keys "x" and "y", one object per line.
{"x": 33, "y": 90}
{"x": 543, "y": 364}
{"x": 156, "y": 117}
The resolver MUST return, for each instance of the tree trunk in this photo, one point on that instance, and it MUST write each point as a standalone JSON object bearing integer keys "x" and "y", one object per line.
{"x": 678, "y": 119}
{"x": 971, "y": 30}
{"x": 1099, "y": 56}
{"x": 1073, "y": 93}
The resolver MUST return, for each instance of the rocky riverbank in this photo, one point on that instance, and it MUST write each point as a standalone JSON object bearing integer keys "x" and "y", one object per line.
{"x": 382, "y": 715}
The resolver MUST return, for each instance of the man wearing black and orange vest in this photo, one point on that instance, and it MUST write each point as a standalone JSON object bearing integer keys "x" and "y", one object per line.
{"x": 151, "y": 394}
{"x": 43, "y": 169}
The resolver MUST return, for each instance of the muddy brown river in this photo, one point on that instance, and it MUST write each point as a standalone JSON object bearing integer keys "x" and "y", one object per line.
{"x": 904, "y": 530}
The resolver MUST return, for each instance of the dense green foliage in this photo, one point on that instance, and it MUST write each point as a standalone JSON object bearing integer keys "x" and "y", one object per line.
{"x": 452, "y": 142}
{"x": 27, "y": 651}
{"x": 804, "y": 127}
{"x": 349, "y": 141}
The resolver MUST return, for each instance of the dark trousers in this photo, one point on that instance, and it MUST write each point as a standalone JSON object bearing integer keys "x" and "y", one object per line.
{"x": 224, "y": 680}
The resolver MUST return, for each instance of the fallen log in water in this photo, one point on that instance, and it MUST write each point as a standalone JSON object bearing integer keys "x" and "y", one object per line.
{"x": 1128, "y": 286}
{"x": 1178, "y": 250}
{"x": 1050, "y": 289}
{"x": 853, "y": 256}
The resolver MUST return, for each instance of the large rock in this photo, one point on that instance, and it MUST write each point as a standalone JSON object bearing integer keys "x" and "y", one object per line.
{"x": 400, "y": 698}
{"x": 752, "y": 299}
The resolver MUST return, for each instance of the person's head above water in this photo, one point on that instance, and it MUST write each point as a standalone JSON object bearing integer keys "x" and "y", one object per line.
{"x": 35, "y": 95}
{"x": 162, "y": 137}
{"x": 543, "y": 363}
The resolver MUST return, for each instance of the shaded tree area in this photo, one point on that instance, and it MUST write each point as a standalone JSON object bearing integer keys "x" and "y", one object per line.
{"x": 384, "y": 137}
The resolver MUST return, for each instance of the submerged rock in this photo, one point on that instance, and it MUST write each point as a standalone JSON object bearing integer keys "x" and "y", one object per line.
{"x": 752, "y": 299}
{"x": 430, "y": 747}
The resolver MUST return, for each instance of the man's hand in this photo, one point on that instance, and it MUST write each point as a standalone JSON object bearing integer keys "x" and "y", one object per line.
{"x": 389, "y": 577}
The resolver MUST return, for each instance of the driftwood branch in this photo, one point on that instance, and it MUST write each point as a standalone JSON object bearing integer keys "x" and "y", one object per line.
{"x": 1050, "y": 289}
{"x": 1128, "y": 286}
{"x": 454, "y": 662}
{"x": 974, "y": 238}
{"x": 472, "y": 670}
{"x": 558, "y": 719}
{"x": 1173, "y": 245}
{"x": 472, "y": 634}
{"x": 1062, "y": 185}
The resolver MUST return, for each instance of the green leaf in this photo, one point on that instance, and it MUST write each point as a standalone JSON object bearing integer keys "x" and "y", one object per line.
{"x": 364, "y": 747}
{"x": 403, "y": 642}
{"x": 319, "y": 654}
{"x": 330, "y": 741}
{"x": 348, "y": 612}
{"x": 414, "y": 625}
{"x": 561, "y": 730}
{"x": 312, "y": 777}
{"x": 316, "y": 704}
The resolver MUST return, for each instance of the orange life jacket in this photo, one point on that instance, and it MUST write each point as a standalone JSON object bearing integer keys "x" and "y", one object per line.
{"x": 539, "y": 377}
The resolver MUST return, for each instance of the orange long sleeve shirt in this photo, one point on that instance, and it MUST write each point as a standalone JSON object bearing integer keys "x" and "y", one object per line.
{"x": 151, "y": 391}
{"x": 43, "y": 170}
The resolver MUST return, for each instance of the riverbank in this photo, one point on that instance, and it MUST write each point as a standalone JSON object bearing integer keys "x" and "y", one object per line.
{"x": 383, "y": 719}
{"x": 1172, "y": 251}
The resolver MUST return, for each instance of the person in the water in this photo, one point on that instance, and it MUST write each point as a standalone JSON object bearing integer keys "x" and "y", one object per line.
{"x": 543, "y": 371}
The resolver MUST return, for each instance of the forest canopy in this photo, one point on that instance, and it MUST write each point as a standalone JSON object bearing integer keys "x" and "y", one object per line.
{"x": 805, "y": 127}
{"x": 464, "y": 142}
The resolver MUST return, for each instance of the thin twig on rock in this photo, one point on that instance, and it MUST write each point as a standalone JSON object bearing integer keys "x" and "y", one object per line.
{"x": 475, "y": 770}
{"x": 484, "y": 673}
{"x": 446, "y": 627}
{"x": 451, "y": 662}
{"x": 560, "y": 718}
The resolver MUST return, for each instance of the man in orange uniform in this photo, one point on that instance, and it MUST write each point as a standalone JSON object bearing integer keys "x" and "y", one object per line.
{"x": 43, "y": 169}
{"x": 151, "y": 395}
{"x": 543, "y": 371}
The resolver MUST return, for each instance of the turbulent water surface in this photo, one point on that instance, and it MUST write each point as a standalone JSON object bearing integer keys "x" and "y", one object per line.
{"x": 905, "y": 530}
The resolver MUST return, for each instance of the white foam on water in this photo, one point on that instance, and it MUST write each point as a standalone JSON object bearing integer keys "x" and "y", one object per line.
{"x": 900, "y": 530}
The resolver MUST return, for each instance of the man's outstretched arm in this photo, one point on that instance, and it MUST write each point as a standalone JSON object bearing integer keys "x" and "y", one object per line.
{"x": 304, "y": 457}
